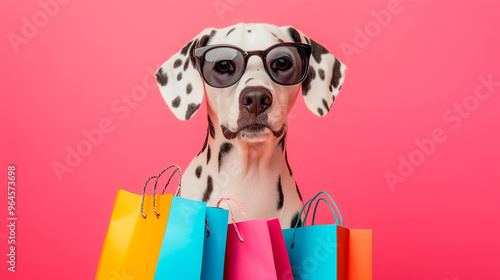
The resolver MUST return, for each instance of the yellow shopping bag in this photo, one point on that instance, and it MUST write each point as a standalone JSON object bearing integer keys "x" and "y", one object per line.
{"x": 135, "y": 234}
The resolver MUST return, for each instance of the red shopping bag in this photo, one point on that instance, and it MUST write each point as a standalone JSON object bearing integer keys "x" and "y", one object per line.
{"x": 255, "y": 249}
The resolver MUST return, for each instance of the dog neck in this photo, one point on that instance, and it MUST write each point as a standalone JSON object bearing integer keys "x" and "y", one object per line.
{"x": 246, "y": 158}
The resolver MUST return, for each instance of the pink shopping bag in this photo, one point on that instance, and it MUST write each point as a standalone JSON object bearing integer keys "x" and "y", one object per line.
{"x": 255, "y": 249}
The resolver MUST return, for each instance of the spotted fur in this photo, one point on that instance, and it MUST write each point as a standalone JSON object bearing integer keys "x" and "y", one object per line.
{"x": 225, "y": 148}
{"x": 255, "y": 185}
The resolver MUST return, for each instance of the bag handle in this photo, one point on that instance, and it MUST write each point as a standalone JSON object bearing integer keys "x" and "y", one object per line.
{"x": 308, "y": 204}
{"x": 177, "y": 193}
{"x": 177, "y": 169}
{"x": 329, "y": 205}
{"x": 331, "y": 200}
{"x": 232, "y": 215}
{"x": 144, "y": 194}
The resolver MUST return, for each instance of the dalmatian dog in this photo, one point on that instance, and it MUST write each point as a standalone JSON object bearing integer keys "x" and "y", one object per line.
{"x": 251, "y": 75}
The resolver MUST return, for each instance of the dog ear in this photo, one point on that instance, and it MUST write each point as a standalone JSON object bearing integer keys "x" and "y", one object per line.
{"x": 324, "y": 78}
{"x": 179, "y": 80}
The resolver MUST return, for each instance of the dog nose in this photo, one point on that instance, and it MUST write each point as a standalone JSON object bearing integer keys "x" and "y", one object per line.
{"x": 256, "y": 100}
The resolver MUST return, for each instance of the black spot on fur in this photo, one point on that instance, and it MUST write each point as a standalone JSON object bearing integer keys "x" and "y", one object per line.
{"x": 176, "y": 102}
{"x": 326, "y": 105}
{"x": 209, "y": 153}
{"x": 191, "y": 52}
{"x": 298, "y": 192}
{"x": 294, "y": 221}
{"x": 161, "y": 77}
{"x": 280, "y": 194}
{"x": 225, "y": 148}
{"x": 203, "y": 41}
{"x": 282, "y": 142}
{"x": 280, "y": 41}
{"x": 197, "y": 172}
{"x": 185, "y": 49}
{"x": 287, "y": 164}
{"x": 333, "y": 98}
{"x": 306, "y": 84}
{"x": 294, "y": 34}
{"x": 189, "y": 88}
{"x": 211, "y": 128}
{"x": 192, "y": 108}
{"x": 177, "y": 63}
{"x": 317, "y": 51}
{"x": 204, "y": 145}
{"x": 209, "y": 190}
{"x": 320, "y": 111}
{"x": 336, "y": 74}
{"x": 231, "y": 30}
{"x": 249, "y": 31}
{"x": 321, "y": 74}
{"x": 213, "y": 32}
{"x": 186, "y": 65}
{"x": 179, "y": 76}
{"x": 274, "y": 34}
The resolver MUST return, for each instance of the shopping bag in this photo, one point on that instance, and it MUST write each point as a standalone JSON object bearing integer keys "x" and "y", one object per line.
{"x": 280, "y": 255}
{"x": 250, "y": 252}
{"x": 318, "y": 251}
{"x": 360, "y": 263}
{"x": 182, "y": 246}
{"x": 133, "y": 240}
{"x": 214, "y": 246}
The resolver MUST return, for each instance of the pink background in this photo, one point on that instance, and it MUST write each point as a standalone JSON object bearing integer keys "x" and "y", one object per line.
{"x": 440, "y": 221}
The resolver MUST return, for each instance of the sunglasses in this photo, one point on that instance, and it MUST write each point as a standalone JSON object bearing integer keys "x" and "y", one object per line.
{"x": 223, "y": 65}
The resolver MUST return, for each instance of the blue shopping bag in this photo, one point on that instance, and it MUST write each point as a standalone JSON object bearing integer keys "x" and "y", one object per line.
{"x": 214, "y": 247}
{"x": 182, "y": 246}
{"x": 318, "y": 251}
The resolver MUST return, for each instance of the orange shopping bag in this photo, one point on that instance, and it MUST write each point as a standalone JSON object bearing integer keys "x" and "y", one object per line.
{"x": 360, "y": 264}
{"x": 135, "y": 234}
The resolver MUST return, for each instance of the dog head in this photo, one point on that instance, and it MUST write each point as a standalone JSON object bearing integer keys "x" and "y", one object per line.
{"x": 254, "y": 108}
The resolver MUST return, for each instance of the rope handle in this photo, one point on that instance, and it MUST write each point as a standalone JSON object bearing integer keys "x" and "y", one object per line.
{"x": 144, "y": 194}
{"x": 232, "y": 214}
{"x": 177, "y": 169}
{"x": 308, "y": 204}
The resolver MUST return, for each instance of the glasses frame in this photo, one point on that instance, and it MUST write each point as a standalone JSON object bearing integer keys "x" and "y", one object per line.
{"x": 200, "y": 53}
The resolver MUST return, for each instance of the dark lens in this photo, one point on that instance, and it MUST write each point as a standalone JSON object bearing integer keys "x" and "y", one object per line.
{"x": 222, "y": 66}
{"x": 286, "y": 64}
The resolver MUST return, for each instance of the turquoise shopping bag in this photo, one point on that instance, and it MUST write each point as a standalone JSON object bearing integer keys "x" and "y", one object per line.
{"x": 214, "y": 247}
{"x": 318, "y": 251}
{"x": 182, "y": 247}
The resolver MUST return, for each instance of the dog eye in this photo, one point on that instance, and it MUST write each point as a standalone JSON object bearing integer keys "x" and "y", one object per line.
{"x": 282, "y": 64}
{"x": 224, "y": 66}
